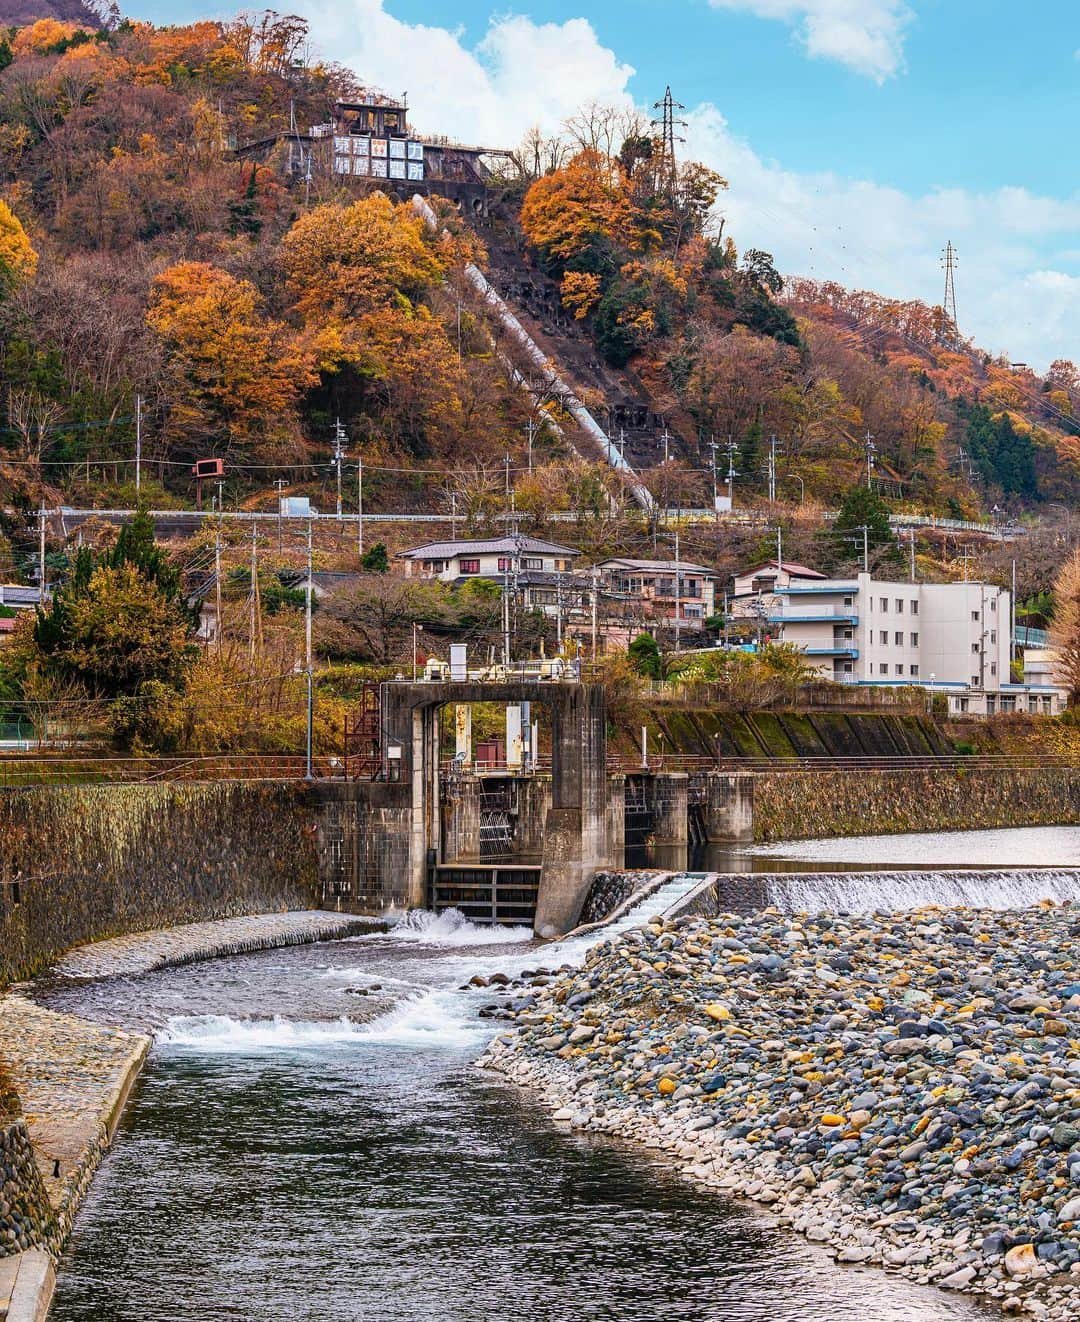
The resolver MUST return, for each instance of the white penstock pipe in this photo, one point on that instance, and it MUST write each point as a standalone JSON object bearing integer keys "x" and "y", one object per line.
{"x": 536, "y": 355}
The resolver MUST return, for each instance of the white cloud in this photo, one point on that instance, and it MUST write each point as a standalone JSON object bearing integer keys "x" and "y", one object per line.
{"x": 870, "y": 236}
{"x": 522, "y": 73}
{"x": 1012, "y": 292}
{"x": 866, "y": 35}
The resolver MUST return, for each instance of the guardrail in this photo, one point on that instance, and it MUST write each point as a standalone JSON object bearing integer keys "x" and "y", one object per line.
{"x": 948, "y": 762}
{"x": 50, "y": 769}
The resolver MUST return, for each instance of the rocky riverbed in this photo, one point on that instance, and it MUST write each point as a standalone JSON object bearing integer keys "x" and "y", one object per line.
{"x": 903, "y": 1088}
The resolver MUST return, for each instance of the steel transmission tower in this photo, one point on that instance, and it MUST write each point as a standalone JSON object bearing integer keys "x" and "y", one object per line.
{"x": 948, "y": 262}
{"x": 666, "y": 168}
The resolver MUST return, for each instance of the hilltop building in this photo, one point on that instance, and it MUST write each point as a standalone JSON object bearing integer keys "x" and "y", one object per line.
{"x": 369, "y": 144}
{"x": 661, "y": 591}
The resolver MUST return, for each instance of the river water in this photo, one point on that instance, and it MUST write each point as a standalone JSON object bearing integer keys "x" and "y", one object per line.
{"x": 310, "y": 1143}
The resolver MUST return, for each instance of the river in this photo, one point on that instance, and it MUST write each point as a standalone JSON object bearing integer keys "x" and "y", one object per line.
{"x": 311, "y": 1143}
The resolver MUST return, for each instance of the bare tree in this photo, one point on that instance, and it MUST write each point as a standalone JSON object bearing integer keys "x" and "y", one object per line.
{"x": 1065, "y": 627}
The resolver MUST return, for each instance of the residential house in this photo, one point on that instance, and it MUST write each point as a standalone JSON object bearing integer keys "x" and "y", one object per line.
{"x": 494, "y": 557}
{"x": 660, "y": 591}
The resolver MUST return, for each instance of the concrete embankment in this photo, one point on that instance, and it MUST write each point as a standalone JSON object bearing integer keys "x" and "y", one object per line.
{"x": 904, "y": 1089}
{"x": 68, "y": 1080}
{"x": 795, "y": 805}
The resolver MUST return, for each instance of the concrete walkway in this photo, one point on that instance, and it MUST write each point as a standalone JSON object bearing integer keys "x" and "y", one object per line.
{"x": 142, "y": 952}
{"x": 27, "y": 1282}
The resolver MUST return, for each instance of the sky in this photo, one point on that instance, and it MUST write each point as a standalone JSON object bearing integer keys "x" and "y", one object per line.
{"x": 857, "y": 136}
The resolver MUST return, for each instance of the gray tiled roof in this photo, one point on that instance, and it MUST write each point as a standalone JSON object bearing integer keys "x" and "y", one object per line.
{"x": 492, "y": 546}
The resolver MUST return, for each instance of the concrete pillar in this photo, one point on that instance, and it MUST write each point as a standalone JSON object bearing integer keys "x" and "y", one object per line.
{"x": 576, "y": 835}
{"x": 668, "y": 802}
{"x": 463, "y": 733}
{"x": 729, "y": 807}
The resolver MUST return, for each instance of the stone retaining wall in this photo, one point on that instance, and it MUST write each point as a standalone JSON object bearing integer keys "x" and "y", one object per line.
{"x": 796, "y": 805}
{"x": 26, "y": 1217}
{"x": 78, "y": 863}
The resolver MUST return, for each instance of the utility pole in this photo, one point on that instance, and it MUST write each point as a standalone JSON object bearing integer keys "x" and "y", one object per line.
{"x": 339, "y": 451}
{"x": 507, "y": 463}
{"x": 715, "y": 492}
{"x": 531, "y": 430}
{"x": 865, "y": 548}
{"x": 779, "y": 549}
{"x": 678, "y": 595}
{"x": 308, "y": 590}
{"x": 138, "y": 446}
{"x": 732, "y": 450}
{"x": 667, "y": 444}
{"x": 279, "y": 482}
{"x": 871, "y": 450}
{"x": 595, "y": 594}
{"x": 558, "y": 609}
{"x": 217, "y": 581}
{"x": 43, "y": 585}
{"x": 252, "y": 605}
{"x": 911, "y": 538}
{"x": 360, "y": 506}
{"x": 453, "y": 516}
{"x": 773, "y": 452}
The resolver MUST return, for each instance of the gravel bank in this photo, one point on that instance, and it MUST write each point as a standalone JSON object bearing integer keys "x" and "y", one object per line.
{"x": 904, "y": 1089}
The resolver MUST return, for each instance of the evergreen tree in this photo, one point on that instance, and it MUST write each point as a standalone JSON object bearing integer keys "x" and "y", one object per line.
{"x": 1004, "y": 456}
{"x": 843, "y": 542}
{"x": 645, "y": 656}
{"x": 376, "y": 560}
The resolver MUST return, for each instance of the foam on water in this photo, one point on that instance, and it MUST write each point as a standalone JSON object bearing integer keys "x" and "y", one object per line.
{"x": 449, "y": 928}
{"x": 434, "y": 1021}
{"x": 861, "y": 892}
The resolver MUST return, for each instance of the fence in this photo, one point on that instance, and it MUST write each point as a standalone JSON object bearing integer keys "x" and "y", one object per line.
{"x": 43, "y": 769}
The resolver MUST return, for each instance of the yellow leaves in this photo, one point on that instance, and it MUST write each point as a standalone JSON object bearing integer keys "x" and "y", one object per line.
{"x": 566, "y": 212}
{"x": 230, "y": 366}
{"x": 580, "y": 292}
{"x": 18, "y": 260}
{"x": 43, "y": 35}
{"x": 343, "y": 261}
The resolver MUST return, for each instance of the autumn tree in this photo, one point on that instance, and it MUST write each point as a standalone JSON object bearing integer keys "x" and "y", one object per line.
{"x": 18, "y": 260}
{"x": 1065, "y": 627}
{"x": 233, "y": 373}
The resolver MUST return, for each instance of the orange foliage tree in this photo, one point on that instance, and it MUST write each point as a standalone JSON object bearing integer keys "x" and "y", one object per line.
{"x": 232, "y": 372}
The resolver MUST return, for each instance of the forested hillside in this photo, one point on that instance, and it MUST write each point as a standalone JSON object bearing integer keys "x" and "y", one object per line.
{"x": 251, "y": 310}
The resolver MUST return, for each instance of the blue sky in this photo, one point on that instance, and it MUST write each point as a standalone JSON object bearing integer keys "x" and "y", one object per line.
{"x": 858, "y": 135}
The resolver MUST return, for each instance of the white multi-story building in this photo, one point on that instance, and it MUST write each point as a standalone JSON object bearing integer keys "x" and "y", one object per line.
{"x": 860, "y": 630}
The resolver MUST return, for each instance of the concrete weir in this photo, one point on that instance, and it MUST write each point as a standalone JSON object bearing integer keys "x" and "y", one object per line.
{"x": 581, "y": 831}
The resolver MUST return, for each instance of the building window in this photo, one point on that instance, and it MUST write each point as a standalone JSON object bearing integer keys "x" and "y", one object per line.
{"x": 848, "y": 634}
{"x": 993, "y": 667}
{"x": 914, "y": 672}
{"x": 914, "y": 640}
{"x": 884, "y": 636}
{"x": 993, "y": 604}
{"x": 898, "y": 638}
{"x": 914, "y": 608}
{"x": 974, "y": 617}
{"x": 847, "y": 667}
{"x": 899, "y": 670}
{"x": 692, "y": 587}
{"x": 469, "y": 566}
{"x": 533, "y": 563}
{"x": 884, "y": 605}
{"x": 974, "y": 681}
{"x": 504, "y": 564}
{"x": 993, "y": 635}
{"x": 848, "y": 601}
{"x": 883, "y": 668}
{"x": 899, "y": 606}
{"x": 974, "y": 649}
